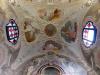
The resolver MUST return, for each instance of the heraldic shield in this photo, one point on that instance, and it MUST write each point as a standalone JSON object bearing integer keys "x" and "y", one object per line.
{"x": 12, "y": 32}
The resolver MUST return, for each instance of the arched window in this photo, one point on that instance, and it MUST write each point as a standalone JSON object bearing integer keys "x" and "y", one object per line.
{"x": 89, "y": 34}
{"x": 12, "y": 32}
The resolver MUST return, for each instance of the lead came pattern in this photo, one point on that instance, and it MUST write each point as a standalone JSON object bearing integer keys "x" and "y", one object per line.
{"x": 12, "y": 31}
{"x": 89, "y": 34}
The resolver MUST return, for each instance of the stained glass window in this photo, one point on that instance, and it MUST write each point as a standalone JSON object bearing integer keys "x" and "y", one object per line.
{"x": 89, "y": 34}
{"x": 12, "y": 32}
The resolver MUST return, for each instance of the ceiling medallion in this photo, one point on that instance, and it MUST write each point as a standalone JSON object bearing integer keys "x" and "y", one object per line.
{"x": 50, "y": 30}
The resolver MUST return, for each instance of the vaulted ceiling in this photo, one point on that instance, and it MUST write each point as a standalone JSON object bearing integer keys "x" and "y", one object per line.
{"x": 49, "y": 37}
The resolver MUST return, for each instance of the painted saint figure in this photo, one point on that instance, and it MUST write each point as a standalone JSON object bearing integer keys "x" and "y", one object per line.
{"x": 29, "y": 31}
{"x": 68, "y": 32}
